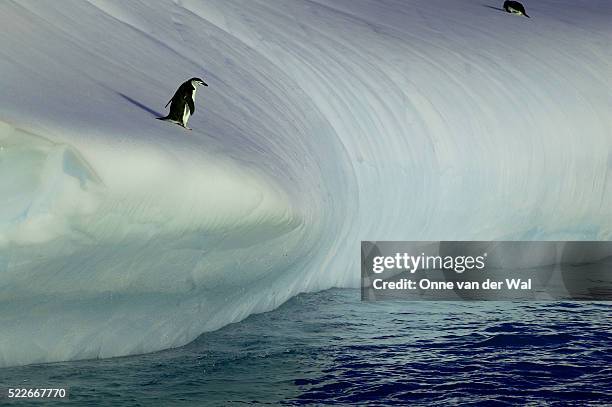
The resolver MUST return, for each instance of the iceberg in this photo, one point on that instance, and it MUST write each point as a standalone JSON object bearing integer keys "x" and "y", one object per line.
{"x": 325, "y": 123}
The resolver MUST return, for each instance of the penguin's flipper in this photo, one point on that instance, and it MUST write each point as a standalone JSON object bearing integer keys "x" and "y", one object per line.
{"x": 191, "y": 105}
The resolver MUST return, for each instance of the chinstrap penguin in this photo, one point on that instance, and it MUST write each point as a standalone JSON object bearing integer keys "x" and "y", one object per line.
{"x": 515, "y": 7}
{"x": 182, "y": 104}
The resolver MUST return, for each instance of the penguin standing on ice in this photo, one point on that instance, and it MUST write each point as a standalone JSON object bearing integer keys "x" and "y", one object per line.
{"x": 182, "y": 104}
{"x": 515, "y": 7}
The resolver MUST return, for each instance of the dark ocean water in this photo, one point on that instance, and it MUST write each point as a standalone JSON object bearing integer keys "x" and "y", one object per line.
{"x": 331, "y": 348}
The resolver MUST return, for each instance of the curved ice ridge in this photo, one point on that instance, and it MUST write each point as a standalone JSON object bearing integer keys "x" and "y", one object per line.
{"x": 325, "y": 123}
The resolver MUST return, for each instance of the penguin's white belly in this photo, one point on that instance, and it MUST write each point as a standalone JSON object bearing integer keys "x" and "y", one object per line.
{"x": 513, "y": 11}
{"x": 186, "y": 114}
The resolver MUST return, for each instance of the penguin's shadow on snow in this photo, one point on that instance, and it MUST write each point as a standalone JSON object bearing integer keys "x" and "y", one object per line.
{"x": 140, "y": 105}
{"x": 494, "y": 8}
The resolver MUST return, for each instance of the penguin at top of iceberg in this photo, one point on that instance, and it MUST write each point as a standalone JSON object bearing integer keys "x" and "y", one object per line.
{"x": 515, "y": 7}
{"x": 182, "y": 104}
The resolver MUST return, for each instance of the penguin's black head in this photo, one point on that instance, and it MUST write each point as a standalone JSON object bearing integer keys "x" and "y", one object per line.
{"x": 198, "y": 81}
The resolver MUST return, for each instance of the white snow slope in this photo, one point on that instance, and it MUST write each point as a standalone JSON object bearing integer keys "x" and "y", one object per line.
{"x": 326, "y": 122}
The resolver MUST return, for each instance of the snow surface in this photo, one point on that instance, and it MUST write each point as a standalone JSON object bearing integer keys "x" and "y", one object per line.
{"x": 325, "y": 123}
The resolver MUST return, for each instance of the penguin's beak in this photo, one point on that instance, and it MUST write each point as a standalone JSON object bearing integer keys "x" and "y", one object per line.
{"x": 204, "y": 83}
